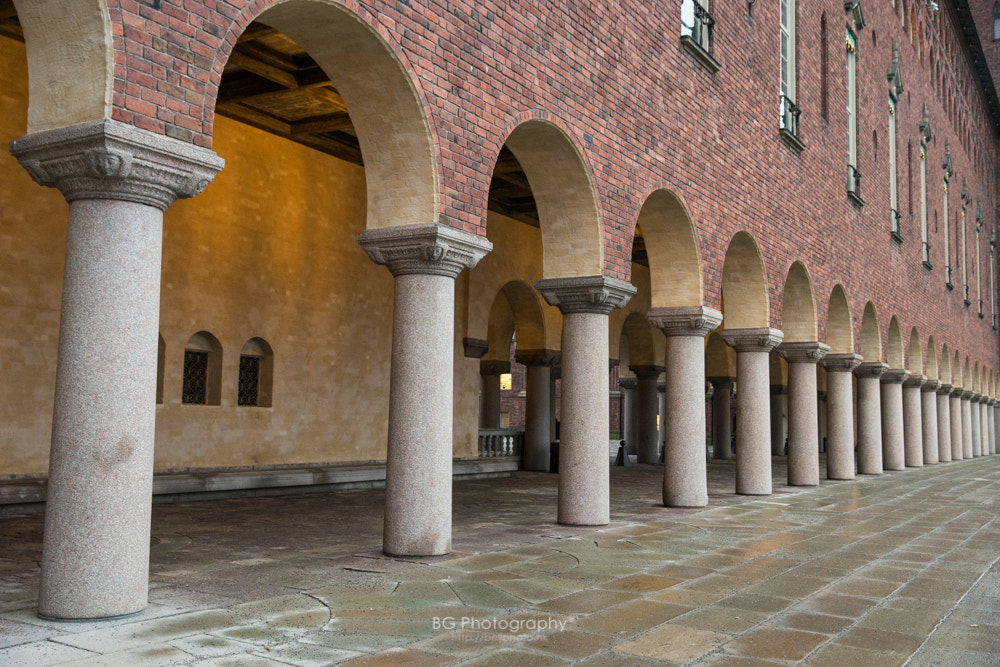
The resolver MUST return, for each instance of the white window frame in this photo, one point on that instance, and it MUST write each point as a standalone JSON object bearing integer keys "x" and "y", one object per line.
{"x": 786, "y": 83}
{"x": 853, "y": 175}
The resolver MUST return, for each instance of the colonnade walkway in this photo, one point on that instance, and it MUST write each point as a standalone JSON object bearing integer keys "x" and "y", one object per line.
{"x": 895, "y": 569}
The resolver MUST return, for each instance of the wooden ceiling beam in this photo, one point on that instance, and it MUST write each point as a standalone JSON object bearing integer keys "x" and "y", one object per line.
{"x": 255, "y": 31}
{"x": 247, "y": 63}
{"x": 259, "y": 120}
{"x": 241, "y": 86}
{"x": 333, "y": 122}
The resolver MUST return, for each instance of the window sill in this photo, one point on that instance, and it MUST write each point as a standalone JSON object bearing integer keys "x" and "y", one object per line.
{"x": 949, "y": 286}
{"x": 700, "y": 54}
{"x": 793, "y": 141}
{"x": 967, "y": 303}
{"x": 981, "y": 316}
{"x": 855, "y": 199}
{"x": 896, "y": 236}
{"x": 928, "y": 265}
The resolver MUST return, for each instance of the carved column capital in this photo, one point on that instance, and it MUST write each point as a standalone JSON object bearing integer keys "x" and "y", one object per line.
{"x": 841, "y": 362}
{"x": 956, "y": 391}
{"x": 944, "y": 389}
{"x": 759, "y": 339}
{"x": 685, "y": 320}
{"x": 966, "y": 395}
{"x": 475, "y": 348}
{"x": 425, "y": 249}
{"x": 107, "y": 159}
{"x": 931, "y": 386}
{"x": 914, "y": 381}
{"x": 645, "y": 372}
{"x": 721, "y": 379}
{"x": 537, "y": 357}
{"x": 628, "y": 382}
{"x": 585, "y": 294}
{"x": 493, "y": 367}
{"x": 806, "y": 352}
{"x": 895, "y": 376}
{"x": 870, "y": 369}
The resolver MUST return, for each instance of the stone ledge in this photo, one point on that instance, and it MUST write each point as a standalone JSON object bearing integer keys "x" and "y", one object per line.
{"x": 24, "y": 494}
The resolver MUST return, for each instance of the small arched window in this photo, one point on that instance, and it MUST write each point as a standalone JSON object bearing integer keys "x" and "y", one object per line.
{"x": 256, "y": 374}
{"x": 202, "y": 370}
{"x": 996, "y": 20}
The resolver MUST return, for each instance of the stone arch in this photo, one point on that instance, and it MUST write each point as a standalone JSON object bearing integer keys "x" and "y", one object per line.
{"x": 945, "y": 370}
{"x": 894, "y": 345}
{"x": 641, "y": 340}
{"x": 202, "y": 376}
{"x": 967, "y": 379}
{"x": 798, "y": 306}
{"x": 915, "y": 357}
{"x": 500, "y": 329}
{"x": 720, "y": 359}
{"x": 256, "y": 379}
{"x": 839, "y": 326}
{"x": 931, "y": 369}
{"x": 957, "y": 377}
{"x": 871, "y": 335}
{"x": 672, "y": 248}
{"x": 529, "y": 323}
{"x": 976, "y": 379}
{"x": 744, "y": 285}
{"x": 572, "y": 239}
{"x": 385, "y": 107}
{"x": 70, "y": 61}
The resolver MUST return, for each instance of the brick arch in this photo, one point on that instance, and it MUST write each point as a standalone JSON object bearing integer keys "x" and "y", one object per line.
{"x": 745, "y": 299}
{"x": 672, "y": 248}
{"x": 561, "y": 183}
{"x": 839, "y": 326}
{"x": 931, "y": 369}
{"x": 798, "y": 306}
{"x": 380, "y": 94}
{"x": 70, "y": 61}
{"x": 915, "y": 357}
{"x": 894, "y": 355}
{"x": 871, "y": 334}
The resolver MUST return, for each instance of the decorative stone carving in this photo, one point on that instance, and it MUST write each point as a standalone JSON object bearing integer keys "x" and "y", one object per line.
{"x": 914, "y": 381}
{"x": 762, "y": 339}
{"x": 538, "y": 357}
{"x": 585, "y": 294}
{"x": 628, "y": 382}
{"x": 870, "y": 369}
{"x": 966, "y": 395}
{"x": 842, "y": 362}
{"x": 931, "y": 386}
{"x": 685, "y": 320}
{"x": 806, "y": 352}
{"x": 643, "y": 372}
{"x": 944, "y": 389}
{"x": 425, "y": 249}
{"x": 895, "y": 376}
{"x": 107, "y": 159}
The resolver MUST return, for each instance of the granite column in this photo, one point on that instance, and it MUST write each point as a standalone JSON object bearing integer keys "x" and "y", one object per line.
{"x": 929, "y": 416}
{"x": 537, "y": 412}
{"x": 647, "y": 408}
{"x": 722, "y": 425}
{"x": 913, "y": 424}
{"x": 892, "y": 419}
{"x": 840, "y": 414}
{"x": 870, "y": 417}
{"x": 944, "y": 422}
{"x": 803, "y": 414}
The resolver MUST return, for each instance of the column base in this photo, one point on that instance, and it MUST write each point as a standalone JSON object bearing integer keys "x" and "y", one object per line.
{"x": 95, "y": 619}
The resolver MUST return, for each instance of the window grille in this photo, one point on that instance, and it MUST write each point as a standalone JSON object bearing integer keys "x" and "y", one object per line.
{"x": 790, "y": 113}
{"x": 195, "y": 377}
{"x": 249, "y": 386}
{"x": 696, "y": 24}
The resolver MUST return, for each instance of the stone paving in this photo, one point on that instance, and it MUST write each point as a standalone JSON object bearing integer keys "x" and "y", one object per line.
{"x": 888, "y": 570}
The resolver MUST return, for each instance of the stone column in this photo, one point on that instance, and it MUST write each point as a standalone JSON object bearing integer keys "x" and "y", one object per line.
{"x": 554, "y": 375}
{"x": 424, "y": 259}
{"x": 753, "y": 447}
{"x": 585, "y": 303}
{"x": 118, "y": 180}
{"x": 944, "y": 423}
{"x": 662, "y": 407}
{"x": 820, "y": 418}
{"x": 803, "y": 417}
{"x": 685, "y": 483}
{"x": 630, "y": 420}
{"x": 929, "y": 416}
{"x": 779, "y": 394}
{"x": 722, "y": 427}
{"x": 994, "y": 416}
{"x": 892, "y": 419}
{"x": 840, "y": 414}
{"x": 967, "y": 450}
{"x": 913, "y": 423}
{"x": 975, "y": 425}
{"x": 870, "y": 417}
{"x": 490, "y": 371}
{"x": 955, "y": 405}
{"x": 537, "y": 412}
{"x": 647, "y": 407}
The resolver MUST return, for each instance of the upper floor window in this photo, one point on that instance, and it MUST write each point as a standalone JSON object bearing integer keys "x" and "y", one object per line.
{"x": 853, "y": 175}
{"x": 696, "y": 32}
{"x": 789, "y": 111}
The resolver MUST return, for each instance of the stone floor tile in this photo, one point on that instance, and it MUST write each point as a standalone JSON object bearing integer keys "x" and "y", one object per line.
{"x": 480, "y": 594}
{"x": 571, "y": 644}
{"x": 838, "y": 655}
{"x": 917, "y": 622}
{"x": 154, "y": 655}
{"x": 822, "y": 623}
{"x": 872, "y": 639}
{"x": 586, "y": 602}
{"x": 307, "y": 655}
{"x": 41, "y": 654}
{"x": 614, "y": 658}
{"x": 724, "y": 660}
{"x": 686, "y": 597}
{"x": 682, "y": 571}
{"x": 789, "y": 586}
{"x": 641, "y": 583}
{"x": 438, "y": 592}
{"x": 722, "y": 619}
{"x": 775, "y": 643}
{"x": 932, "y": 656}
{"x": 401, "y": 656}
{"x": 715, "y": 583}
{"x": 239, "y": 661}
{"x": 676, "y": 643}
{"x": 861, "y": 587}
{"x": 132, "y": 635}
{"x": 631, "y": 617}
{"x": 960, "y": 634}
{"x": 358, "y": 641}
{"x": 754, "y": 602}
{"x": 207, "y": 646}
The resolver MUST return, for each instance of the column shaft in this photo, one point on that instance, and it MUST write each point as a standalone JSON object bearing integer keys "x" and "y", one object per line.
{"x": 803, "y": 416}
{"x": 929, "y": 416}
{"x": 722, "y": 435}
{"x": 892, "y": 419}
{"x": 777, "y": 405}
{"x": 967, "y": 450}
{"x": 913, "y": 424}
{"x": 957, "y": 444}
{"x": 537, "y": 416}
{"x": 630, "y": 415}
{"x": 870, "y": 417}
{"x": 647, "y": 407}
{"x": 944, "y": 423}
{"x": 977, "y": 426}
{"x": 489, "y": 395}
{"x": 840, "y": 415}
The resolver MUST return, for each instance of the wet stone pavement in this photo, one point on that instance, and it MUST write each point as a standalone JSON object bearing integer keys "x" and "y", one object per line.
{"x": 889, "y": 570}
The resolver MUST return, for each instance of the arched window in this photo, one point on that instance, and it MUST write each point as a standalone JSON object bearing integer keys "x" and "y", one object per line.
{"x": 256, "y": 374}
{"x": 996, "y": 20}
{"x": 202, "y": 370}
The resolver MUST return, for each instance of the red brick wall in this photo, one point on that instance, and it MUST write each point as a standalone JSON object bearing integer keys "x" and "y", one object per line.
{"x": 645, "y": 115}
